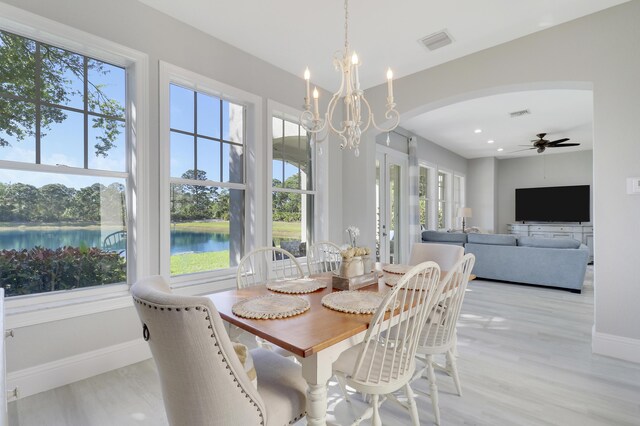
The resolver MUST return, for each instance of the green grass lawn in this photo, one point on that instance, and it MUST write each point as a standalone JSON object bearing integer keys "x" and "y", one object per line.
{"x": 189, "y": 263}
{"x": 280, "y": 229}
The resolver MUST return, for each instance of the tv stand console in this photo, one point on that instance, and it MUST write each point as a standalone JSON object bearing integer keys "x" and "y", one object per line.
{"x": 582, "y": 233}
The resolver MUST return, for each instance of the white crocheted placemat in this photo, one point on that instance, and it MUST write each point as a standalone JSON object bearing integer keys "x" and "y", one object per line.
{"x": 353, "y": 302}
{"x": 297, "y": 286}
{"x": 397, "y": 269}
{"x": 392, "y": 279}
{"x": 271, "y": 306}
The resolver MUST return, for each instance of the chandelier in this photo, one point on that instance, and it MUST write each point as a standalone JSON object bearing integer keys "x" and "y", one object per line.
{"x": 357, "y": 114}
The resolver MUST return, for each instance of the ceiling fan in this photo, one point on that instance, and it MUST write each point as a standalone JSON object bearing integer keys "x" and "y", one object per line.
{"x": 541, "y": 143}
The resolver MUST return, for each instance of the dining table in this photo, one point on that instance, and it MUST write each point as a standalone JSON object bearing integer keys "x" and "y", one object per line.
{"x": 316, "y": 337}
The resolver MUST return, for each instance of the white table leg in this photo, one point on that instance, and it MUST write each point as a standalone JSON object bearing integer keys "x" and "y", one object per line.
{"x": 316, "y": 370}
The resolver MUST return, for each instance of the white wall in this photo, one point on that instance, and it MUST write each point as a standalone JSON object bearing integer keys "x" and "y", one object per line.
{"x": 132, "y": 24}
{"x": 599, "y": 51}
{"x": 575, "y": 168}
{"x": 482, "y": 193}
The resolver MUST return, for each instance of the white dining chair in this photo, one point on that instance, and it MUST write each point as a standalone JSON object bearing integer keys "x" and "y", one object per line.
{"x": 202, "y": 379}
{"x": 439, "y": 333}
{"x": 323, "y": 257}
{"x": 259, "y": 267}
{"x": 445, "y": 255}
{"x": 385, "y": 361}
{"x": 267, "y": 264}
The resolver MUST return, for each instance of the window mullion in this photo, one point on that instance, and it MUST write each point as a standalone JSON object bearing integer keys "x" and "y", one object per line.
{"x": 195, "y": 135}
{"x": 221, "y": 115}
{"x": 37, "y": 96}
{"x": 85, "y": 68}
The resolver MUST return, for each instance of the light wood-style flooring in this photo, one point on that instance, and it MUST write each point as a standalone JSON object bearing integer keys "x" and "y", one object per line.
{"x": 524, "y": 359}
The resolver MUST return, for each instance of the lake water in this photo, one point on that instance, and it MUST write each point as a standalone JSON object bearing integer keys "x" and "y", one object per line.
{"x": 181, "y": 241}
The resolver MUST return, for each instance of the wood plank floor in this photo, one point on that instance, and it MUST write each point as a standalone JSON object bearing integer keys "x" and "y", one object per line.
{"x": 524, "y": 359}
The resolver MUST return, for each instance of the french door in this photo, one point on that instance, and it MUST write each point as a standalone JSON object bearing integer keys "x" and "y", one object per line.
{"x": 391, "y": 206}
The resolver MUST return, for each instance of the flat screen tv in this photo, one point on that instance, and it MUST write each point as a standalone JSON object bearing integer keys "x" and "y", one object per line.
{"x": 553, "y": 204}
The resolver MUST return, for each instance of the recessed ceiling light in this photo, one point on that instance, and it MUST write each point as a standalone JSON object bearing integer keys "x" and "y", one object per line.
{"x": 500, "y": 149}
{"x": 490, "y": 141}
{"x": 477, "y": 131}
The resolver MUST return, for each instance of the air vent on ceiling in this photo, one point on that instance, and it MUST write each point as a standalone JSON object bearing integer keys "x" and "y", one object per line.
{"x": 520, "y": 113}
{"x": 436, "y": 40}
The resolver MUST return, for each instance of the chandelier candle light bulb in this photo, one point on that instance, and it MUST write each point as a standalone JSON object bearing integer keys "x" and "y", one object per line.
{"x": 316, "y": 110}
{"x": 307, "y": 77}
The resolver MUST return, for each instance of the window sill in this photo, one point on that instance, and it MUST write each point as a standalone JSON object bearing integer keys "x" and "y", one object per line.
{"x": 25, "y": 311}
{"x": 43, "y": 309}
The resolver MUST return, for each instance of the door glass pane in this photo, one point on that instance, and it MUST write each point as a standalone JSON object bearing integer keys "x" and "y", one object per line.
{"x": 378, "y": 212}
{"x": 422, "y": 196}
{"x": 394, "y": 205}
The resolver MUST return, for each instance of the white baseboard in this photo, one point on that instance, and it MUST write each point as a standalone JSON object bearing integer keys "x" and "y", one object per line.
{"x": 44, "y": 377}
{"x": 615, "y": 346}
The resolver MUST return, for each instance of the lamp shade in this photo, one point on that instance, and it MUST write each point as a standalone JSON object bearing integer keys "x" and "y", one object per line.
{"x": 464, "y": 212}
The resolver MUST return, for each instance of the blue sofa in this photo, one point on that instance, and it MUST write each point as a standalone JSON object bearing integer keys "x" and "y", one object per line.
{"x": 552, "y": 262}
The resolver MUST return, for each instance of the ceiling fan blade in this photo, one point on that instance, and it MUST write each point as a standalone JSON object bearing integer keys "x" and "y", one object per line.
{"x": 520, "y": 150}
{"x": 557, "y": 142}
{"x": 563, "y": 145}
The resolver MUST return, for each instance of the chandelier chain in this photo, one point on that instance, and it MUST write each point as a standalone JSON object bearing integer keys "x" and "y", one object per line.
{"x": 346, "y": 26}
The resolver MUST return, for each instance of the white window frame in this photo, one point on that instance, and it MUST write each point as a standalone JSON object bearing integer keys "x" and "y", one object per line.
{"x": 28, "y": 310}
{"x": 252, "y": 141}
{"x": 275, "y": 109}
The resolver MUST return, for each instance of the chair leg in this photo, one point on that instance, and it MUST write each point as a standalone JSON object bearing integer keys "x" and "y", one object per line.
{"x": 375, "y": 421}
{"x": 343, "y": 387}
{"x": 433, "y": 387}
{"x": 452, "y": 369}
{"x": 413, "y": 408}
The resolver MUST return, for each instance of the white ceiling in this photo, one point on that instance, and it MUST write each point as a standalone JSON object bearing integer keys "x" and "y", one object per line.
{"x": 293, "y": 34}
{"x": 559, "y": 113}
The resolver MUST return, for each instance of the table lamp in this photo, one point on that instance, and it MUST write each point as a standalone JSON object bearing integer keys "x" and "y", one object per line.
{"x": 464, "y": 212}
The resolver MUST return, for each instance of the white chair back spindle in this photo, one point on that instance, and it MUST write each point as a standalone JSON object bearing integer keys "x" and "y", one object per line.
{"x": 387, "y": 353}
{"x": 438, "y": 334}
{"x": 323, "y": 257}
{"x": 265, "y": 265}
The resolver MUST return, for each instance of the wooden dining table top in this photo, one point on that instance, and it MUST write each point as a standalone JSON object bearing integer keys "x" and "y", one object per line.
{"x": 304, "y": 334}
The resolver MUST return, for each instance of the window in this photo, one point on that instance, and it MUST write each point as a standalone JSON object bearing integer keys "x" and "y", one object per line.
{"x": 442, "y": 200}
{"x": 458, "y": 200}
{"x": 207, "y": 181}
{"x": 293, "y": 186}
{"x": 424, "y": 197}
{"x": 64, "y": 169}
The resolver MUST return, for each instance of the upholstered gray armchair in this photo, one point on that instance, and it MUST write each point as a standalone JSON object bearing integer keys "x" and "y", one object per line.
{"x": 203, "y": 381}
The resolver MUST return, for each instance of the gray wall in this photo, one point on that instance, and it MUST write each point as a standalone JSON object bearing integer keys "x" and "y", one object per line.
{"x": 161, "y": 37}
{"x": 598, "y": 52}
{"x": 482, "y": 193}
{"x": 574, "y": 168}
{"x": 441, "y": 157}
